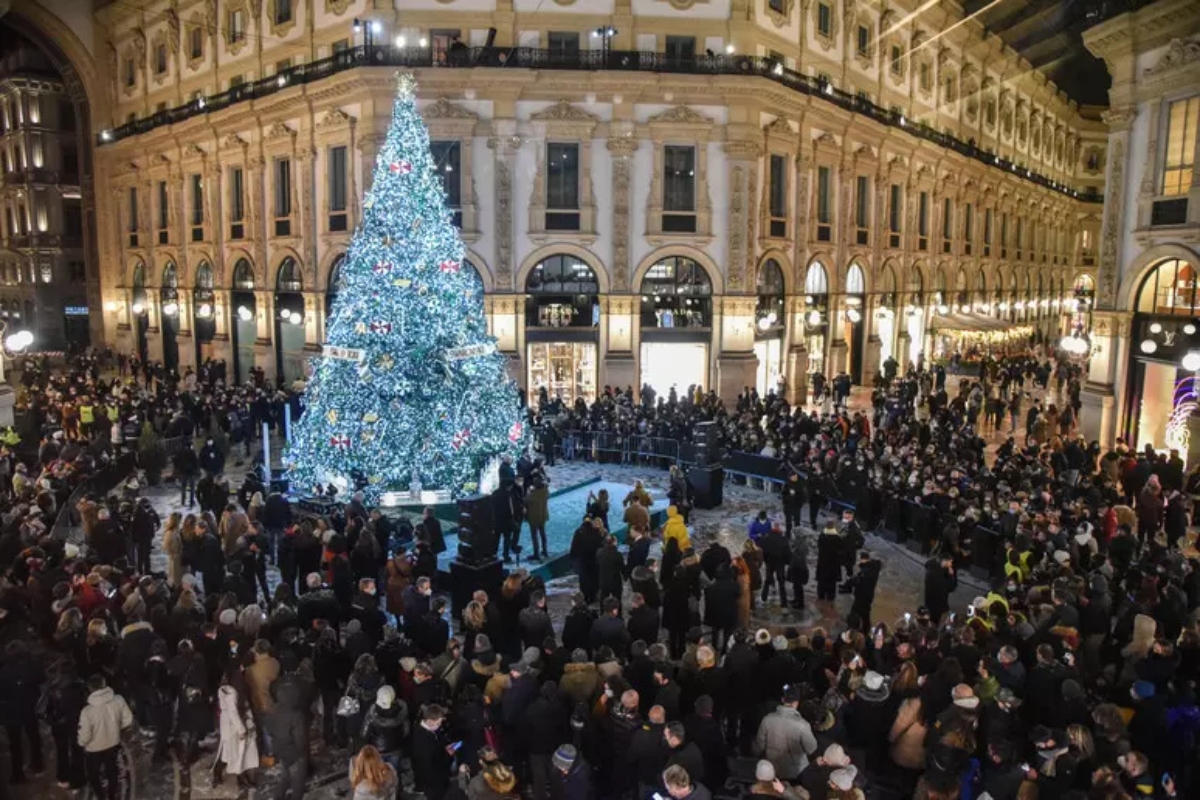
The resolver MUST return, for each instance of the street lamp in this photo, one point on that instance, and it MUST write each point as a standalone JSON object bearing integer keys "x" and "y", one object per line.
{"x": 605, "y": 33}
{"x": 13, "y": 345}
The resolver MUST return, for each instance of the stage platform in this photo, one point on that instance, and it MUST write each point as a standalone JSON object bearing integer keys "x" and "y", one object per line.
{"x": 568, "y": 505}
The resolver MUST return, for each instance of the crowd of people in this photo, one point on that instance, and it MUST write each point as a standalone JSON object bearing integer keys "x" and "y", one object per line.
{"x": 1071, "y": 676}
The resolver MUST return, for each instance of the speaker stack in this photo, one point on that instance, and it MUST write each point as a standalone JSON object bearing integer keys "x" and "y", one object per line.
{"x": 476, "y": 566}
{"x": 707, "y": 478}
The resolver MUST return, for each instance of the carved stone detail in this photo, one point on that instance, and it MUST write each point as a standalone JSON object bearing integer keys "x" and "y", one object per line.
{"x": 622, "y": 169}
{"x": 444, "y": 109}
{"x": 680, "y": 115}
{"x": 564, "y": 111}
{"x": 1114, "y": 214}
{"x": 334, "y": 118}
{"x": 1178, "y": 54}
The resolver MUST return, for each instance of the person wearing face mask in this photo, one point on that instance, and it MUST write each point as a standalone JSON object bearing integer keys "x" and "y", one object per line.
{"x": 431, "y": 754}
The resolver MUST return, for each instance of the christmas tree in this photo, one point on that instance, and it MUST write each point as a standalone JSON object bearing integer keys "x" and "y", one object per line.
{"x": 410, "y": 390}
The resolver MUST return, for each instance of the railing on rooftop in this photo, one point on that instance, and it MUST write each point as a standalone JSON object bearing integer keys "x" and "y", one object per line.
{"x": 583, "y": 60}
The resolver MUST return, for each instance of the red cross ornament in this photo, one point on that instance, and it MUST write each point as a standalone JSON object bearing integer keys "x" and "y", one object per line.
{"x": 449, "y": 265}
{"x": 339, "y": 442}
{"x": 381, "y": 327}
{"x": 401, "y": 167}
{"x": 514, "y": 433}
{"x": 382, "y": 268}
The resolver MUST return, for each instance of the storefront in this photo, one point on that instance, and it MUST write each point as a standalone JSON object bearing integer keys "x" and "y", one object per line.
{"x": 1080, "y": 304}
{"x": 816, "y": 316}
{"x": 169, "y": 297}
{"x": 1164, "y": 361}
{"x": 290, "y": 358}
{"x": 562, "y": 323}
{"x": 676, "y": 325}
{"x": 204, "y": 316}
{"x": 885, "y": 315}
{"x": 244, "y": 320}
{"x": 853, "y": 327}
{"x": 141, "y": 313}
{"x": 914, "y": 316}
{"x": 769, "y": 327}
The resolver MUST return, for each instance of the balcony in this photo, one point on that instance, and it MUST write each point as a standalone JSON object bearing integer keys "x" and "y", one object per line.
{"x": 45, "y": 241}
{"x": 586, "y": 61}
{"x": 38, "y": 175}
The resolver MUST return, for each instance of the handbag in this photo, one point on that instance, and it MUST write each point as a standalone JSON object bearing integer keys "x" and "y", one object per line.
{"x": 347, "y": 706}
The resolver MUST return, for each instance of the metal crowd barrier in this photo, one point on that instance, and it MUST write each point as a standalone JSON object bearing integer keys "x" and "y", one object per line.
{"x": 67, "y": 523}
{"x": 615, "y": 448}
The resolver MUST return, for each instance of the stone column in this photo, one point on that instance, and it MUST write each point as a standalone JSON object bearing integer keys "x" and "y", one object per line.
{"x": 741, "y": 157}
{"x": 796, "y": 364}
{"x": 1110, "y": 348}
{"x": 1109, "y": 330}
{"x": 737, "y": 364}
{"x": 264, "y": 344}
{"x": 620, "y": 366}
{"x": 504, "y": 144}
{"x": 622, "y": 149}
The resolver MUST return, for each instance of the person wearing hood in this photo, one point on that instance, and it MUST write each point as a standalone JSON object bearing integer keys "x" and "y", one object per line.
{"x": 101, "y": 723}
{"x": 940, "y": 583}
{"x": 868, "y": 717}
{"x": 675, "y": 529}
{"x": 385, "y": 726}
{"x": 580, "y": 681}
{"x": 237, "y": 749}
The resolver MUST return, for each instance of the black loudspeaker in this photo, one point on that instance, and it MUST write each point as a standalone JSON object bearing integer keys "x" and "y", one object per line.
{"x": 708, "y": 486}
{"x": 476, "y": 529}
{"x": 707, "y": 444}
{"x": 466, "y": 578}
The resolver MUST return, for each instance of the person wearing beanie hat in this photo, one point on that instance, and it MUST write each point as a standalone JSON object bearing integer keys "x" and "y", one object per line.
{"x": 841, "y": 784}
{"x": 385, "y": 726}
{"x": 570, "y": 778}
{"x": 762, "y": 637}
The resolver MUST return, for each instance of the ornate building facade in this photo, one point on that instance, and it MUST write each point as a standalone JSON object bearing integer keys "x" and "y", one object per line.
{"x": 711, "y": 192}
{"x": 1145, "y": 348}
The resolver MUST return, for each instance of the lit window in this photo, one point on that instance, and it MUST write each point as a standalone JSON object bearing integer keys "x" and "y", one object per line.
{"x": 1179, "y": 160}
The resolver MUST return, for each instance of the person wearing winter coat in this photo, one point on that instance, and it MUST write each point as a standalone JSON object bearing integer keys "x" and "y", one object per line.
{"x": 865, "y": 581}
{"x": 721, "y": 599}
{"x": 577, "y": 627}
{"x": 644, "y": 620}
{"x": 172, "y": 545}
{"x": 289, "y": 739}
{"x": 101, "y": 723}
{"x": 259, "y": 675}
{"x": 580, "y": 681}
{"x": 544, "y": 727}
{"x": 610, "y": 567}
{"x": 675, "y": 529}
{"x": 372, "y": 777}
{"x": 785, "y": 738}
{"x": 385, "y": 726}
{"x": 798, "y": 570}
{"x": 21, "y": 678}
{"x": 637, "y": 517}
{"x": 431, "y": 754}
{"x": 237, "y": 750}
{"x": 760, "y": 526}
{"x": 537, "y": 513}
{"x": 534, "y": 621}
{"x": 585, "y": 545}
{"x": 940, "y": 583}
{"x": 399, "y": 578}
{"x": 776, "y": 557}
{"x": 745, "y": 600}
{"x": 829, "y": 562}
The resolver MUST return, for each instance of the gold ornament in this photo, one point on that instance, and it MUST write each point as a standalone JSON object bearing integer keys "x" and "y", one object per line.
{"x": 332, "y": 416}
{"x": 370, "y": 418}
{"x": 386, "y": 362}
{"x": 374, "y": 479}
{"x": 403, "y": 283}
{"x": 367, "y": 437}
{"x": 360, "y": 327}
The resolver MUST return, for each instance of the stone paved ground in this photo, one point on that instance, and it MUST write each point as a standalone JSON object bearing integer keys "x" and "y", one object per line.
{"x": 900, "y": 589}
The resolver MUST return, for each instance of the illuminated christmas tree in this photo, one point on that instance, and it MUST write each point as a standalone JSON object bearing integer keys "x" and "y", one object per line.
{"x": 410, "y": 388}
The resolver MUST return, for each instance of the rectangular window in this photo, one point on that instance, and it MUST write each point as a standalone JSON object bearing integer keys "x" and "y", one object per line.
{"x": 1003, "y": 233}
{"x": 341, "y": 46}
{"x": 895, "y": 210}
{"x": 925, "y": 76}
{"x": 160, "y": 59}
{"x": 164, "y": 212}
{"x": 897, "y": 60}
{"x": 679, "y": 178}
{"x": 864, "y": 40}
{"x": 236, "y": 81}
{"x": 133, "y": 209}
{"x": 447, "y": 158}
{"x": 923, "y": 221}
{"x": 283, "y": 65}
{"x": 862, "y": 208}
{"x": 283, "y": 11}
{"x": 237, "y": 203}
{"x": 1020, "y": 234}
{"x": 778, "y": 196}
{"x": 563, "y": 44}
{"x": 947, "y": 224}
{"x": 968, "y": 228}
{"x": 337, "y": 178}
{"x": 197, "y": 200}
{"x": 824, "y": 19}
{"x": 160, "y": 107}
{"x": 236, "y": 26}
{"x": 987, "y": 226}
{"x": 681, "y": 48}
{"x": 283, "y": 188}
{"x": 1179, "y": 159}
{"x": 824, "y": 204}
{"x": 130, "y": 72}
{"x": 778, "y": 6}
{"x": 562, "y": 176}
{"x": 196, "y": 42}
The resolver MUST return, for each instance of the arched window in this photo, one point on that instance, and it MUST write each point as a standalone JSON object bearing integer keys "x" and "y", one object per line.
{"x": 472, "y": 271}
{"x": 139, "y": 276}
{"x": 243, "y": 275}
{"x": 676, "y": 293}
{"x": 170, "y": 278}
{"x": 887, "y": 286}
{"x": 335, "y": 275}
{"x": 204, "y": 276}
{"x": 915, "y": 286}
{"x": 1170, "y": 288}
{"x": 563, "y": 292}
{"x": 770, "y": 295}
{"x": 289, "y": 279}
{"x": 170, "y": 292}
{"x": 816, "y": 280}
{"x": 856, "y": 282}
{"x": 960, "y": 290}
{"x": 139, "y": 290}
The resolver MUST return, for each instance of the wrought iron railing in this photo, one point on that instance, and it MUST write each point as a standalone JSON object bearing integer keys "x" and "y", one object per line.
{"x": 583, "y": 60}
